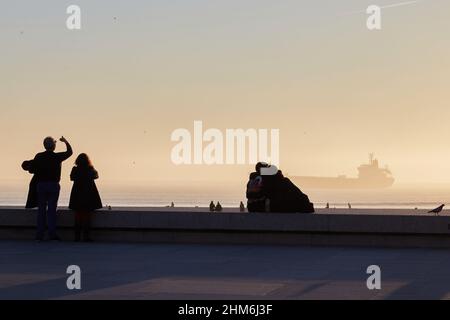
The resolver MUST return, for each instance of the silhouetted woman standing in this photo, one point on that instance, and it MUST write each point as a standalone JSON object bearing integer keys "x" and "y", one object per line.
{"x": 84, "y": 198}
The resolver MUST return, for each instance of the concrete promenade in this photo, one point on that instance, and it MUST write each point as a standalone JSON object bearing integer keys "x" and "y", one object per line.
{"x": 194, "y": 254}
{"x": 30, "y": 270}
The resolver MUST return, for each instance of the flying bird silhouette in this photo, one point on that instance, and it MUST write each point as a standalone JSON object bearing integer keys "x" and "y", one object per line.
{"x": 438, "y": 209}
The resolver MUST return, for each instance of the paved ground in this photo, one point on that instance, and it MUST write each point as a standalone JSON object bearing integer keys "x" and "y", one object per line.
{"x": 145, "y": 271}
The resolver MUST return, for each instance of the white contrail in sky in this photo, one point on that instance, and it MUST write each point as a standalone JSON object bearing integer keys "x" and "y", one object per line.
{"x": 399, "y": 4}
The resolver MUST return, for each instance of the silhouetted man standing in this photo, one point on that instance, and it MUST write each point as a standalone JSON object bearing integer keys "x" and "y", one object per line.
{"x": 47, "y": 170}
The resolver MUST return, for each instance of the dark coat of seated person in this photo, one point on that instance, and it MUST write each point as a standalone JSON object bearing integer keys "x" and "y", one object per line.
{"x": 275, "y": 193}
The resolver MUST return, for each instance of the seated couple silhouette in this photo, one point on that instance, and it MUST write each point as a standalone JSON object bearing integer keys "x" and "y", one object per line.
{"x": 275, "y": 193}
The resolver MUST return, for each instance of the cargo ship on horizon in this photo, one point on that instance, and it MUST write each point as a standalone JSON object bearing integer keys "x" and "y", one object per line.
{"x": 370, "y": 176}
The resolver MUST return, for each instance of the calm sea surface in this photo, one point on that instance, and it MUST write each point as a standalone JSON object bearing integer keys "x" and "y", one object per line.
{"x": 192, "y": 195}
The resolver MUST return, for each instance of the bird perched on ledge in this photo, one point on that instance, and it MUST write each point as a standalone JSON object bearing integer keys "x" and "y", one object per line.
{"x": 212, "y": 206}
{"x": 438, "y": 209}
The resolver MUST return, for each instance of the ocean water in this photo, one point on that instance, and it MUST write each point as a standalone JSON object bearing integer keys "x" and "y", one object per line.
{"x": 230, "y": 195}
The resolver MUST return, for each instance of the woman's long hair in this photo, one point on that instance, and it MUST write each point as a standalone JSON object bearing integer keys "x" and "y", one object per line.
{"x": 83, "y": 161}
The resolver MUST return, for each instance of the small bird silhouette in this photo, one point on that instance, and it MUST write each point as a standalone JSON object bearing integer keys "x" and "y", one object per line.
{"x": 438, "y": 209}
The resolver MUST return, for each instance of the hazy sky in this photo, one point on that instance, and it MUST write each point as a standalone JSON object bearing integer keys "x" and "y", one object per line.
{"x": 118, "y": 87}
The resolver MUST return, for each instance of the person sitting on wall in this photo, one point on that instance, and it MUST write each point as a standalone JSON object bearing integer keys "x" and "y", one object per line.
{"x": 256, "y": 194}
{"x": 275, "y": 193}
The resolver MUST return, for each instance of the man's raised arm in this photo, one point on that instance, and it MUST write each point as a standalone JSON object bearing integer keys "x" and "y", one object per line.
{"x": 68, "y": 153}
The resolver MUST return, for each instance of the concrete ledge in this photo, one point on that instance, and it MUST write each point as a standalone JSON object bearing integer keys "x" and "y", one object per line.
{"x": 356, "y": 229}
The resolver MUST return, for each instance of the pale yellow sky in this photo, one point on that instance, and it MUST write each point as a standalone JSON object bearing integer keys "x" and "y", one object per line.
{"x": 117, "y": 89}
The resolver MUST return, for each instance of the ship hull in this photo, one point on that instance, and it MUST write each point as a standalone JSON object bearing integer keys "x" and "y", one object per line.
{"x": 342, "y": 183}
